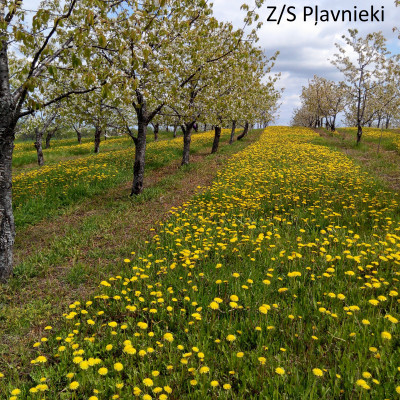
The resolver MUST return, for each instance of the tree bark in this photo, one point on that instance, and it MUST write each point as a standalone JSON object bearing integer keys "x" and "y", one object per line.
{"x": 232, "y": 132}
{"x": 175, "y": 129}
{"x": 97, "y": 138}
{"x": 156, "y": 130}
{"x": 245, "y": 131}
{"x": 38, "y": 146}
{"x": 138, "y": 168}
{"x": 217, "y": 136}
{"x": 7, "y": 126}
{"x": 205, "y": 127}
{"x": 187, "y": 137}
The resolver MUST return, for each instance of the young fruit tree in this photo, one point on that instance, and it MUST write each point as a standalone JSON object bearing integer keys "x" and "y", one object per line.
{"x": 363, "y": 63}
{"x": 323, "y": 99}
{"x": 141, "y": 46}
{"x": 205, "y": 65}
{"x": 383, "y": 99}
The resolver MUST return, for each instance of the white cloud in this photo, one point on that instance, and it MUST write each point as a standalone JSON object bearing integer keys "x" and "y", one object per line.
{"x": 305, "y": 48}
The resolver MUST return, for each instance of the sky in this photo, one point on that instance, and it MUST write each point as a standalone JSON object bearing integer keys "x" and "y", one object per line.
{"x": 306, "y": 48}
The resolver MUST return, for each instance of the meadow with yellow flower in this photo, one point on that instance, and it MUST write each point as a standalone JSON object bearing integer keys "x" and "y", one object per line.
{"x": 280, "y": 281}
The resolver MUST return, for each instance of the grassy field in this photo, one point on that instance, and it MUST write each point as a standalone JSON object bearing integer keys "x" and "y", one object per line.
{"x": 25, "y": 155}
{"x": 40, "y": 193}
{"x": 386, "y": 139}
{"x": 279, "y": 281}
{"x": 378, "y": 152}
{"x": 64, "y": 257}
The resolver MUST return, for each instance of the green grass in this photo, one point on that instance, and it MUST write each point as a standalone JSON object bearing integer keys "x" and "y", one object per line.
{"x": 379, "y": 157}
{"x": 388, "y": 139}
{"x": 25, "y": 155}
{"x": 71, "y": 263}
{"x": 50, "y": 190}
{"x": 280, "y": 281}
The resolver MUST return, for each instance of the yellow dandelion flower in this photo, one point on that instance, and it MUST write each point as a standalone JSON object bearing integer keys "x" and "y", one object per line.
{"x": 318, "y": 372}
{"x": 103, "y": 371}
{"x": 169, "y": 337}
{"x": 147, "y": 382}
{"x": 118, "y": 366}
{"x": 386, "y": 335}
{"x": 74, "y": 385}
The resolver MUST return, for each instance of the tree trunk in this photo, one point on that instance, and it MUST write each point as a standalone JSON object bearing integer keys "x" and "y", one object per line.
{"x": 387, "y": 122}
{"x": 78, "y": 134}
{"x": 97, "y": 138}
{"x": 359, "y": 133}
{"x": 7, "y": 226}
{"x": 140, "y": 152}
{"x": 217, "y": 136}
{"x": 49, "y": 135}
{"x": 7, "y": 126}
{"x": 205, "y": 127}
{"x": 175, "y": 129}
{"x": 187, "y": 137}
{"x": 245, "y": 131}
{"x": 156, "y": 130}
{"x": 359, "y": 116}
{"x": 167, "y": 128}
{"x": 38, "y": 146}
{"x": 333, "y": 125}
{"x": 232, "y": 132}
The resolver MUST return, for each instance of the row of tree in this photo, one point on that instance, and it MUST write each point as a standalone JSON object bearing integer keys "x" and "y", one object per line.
{"x": 368, "y": 95}
{"x": 122, "y": 64}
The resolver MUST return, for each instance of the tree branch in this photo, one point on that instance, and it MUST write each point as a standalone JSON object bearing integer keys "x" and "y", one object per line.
{"x": 61, "y": 97}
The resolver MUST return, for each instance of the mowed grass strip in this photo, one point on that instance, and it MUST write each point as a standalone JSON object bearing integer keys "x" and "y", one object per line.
{"x": 65, "y": 258}
{"x": 280, "y": 281}
{"x": 386, "y": 139}
{"x": 378, "y": 152}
